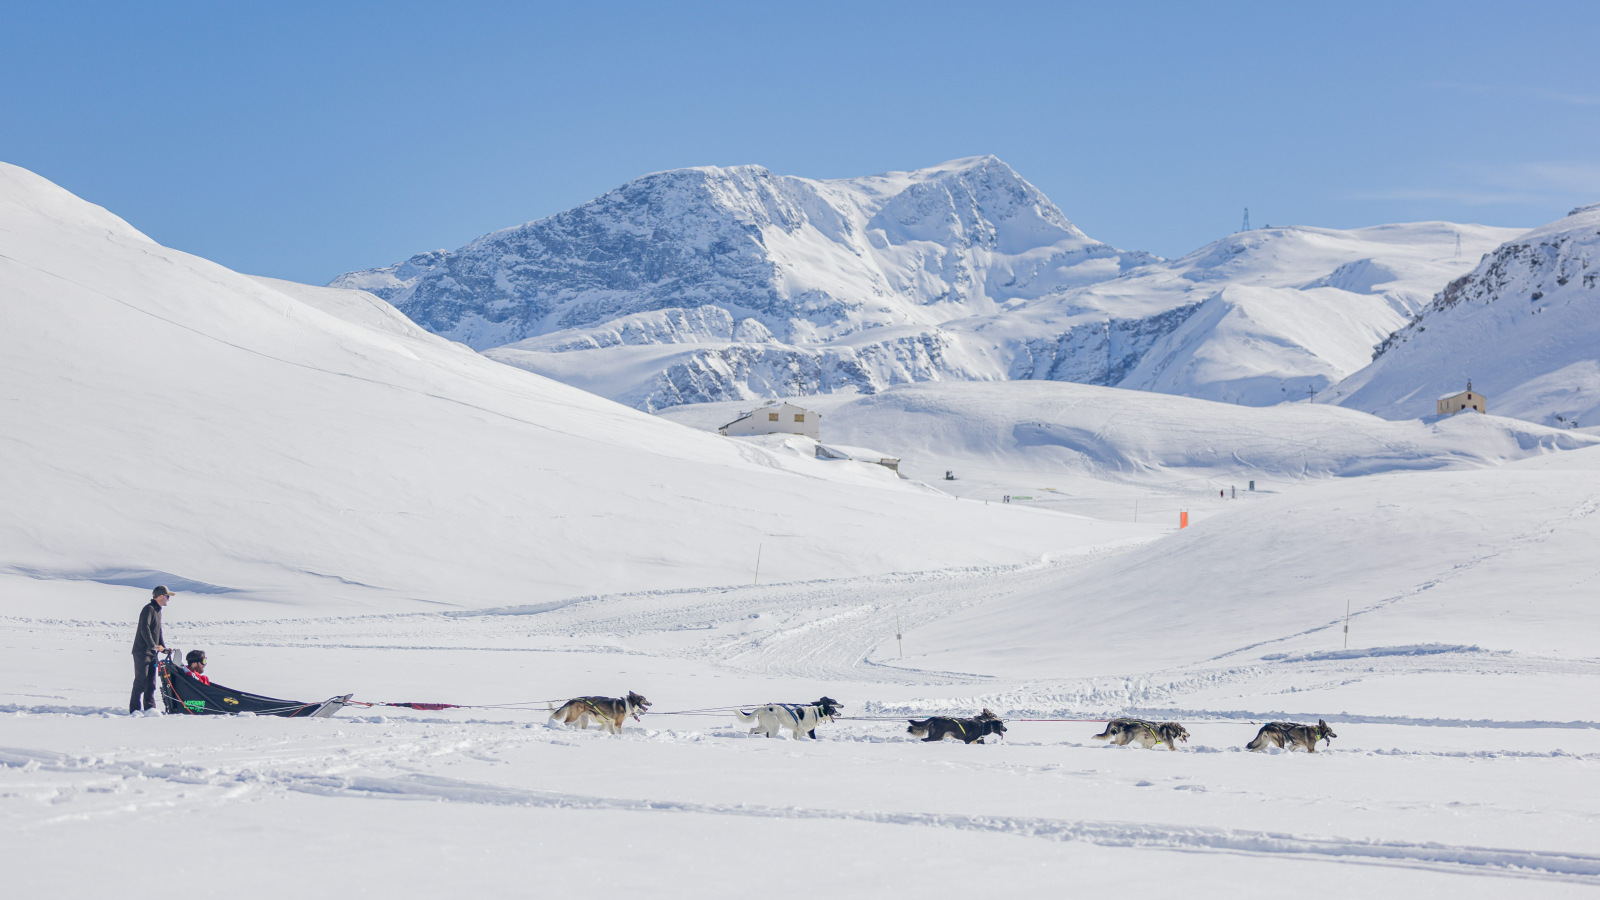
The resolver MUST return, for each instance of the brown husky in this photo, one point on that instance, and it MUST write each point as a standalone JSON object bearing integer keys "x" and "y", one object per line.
{"x": 1121, "y": 732}
{"x": 1292, "y": 735}
{"x": 610, "y": 712}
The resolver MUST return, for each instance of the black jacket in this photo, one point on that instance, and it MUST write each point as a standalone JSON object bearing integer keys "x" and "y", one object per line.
{"x": 148, "y": 637}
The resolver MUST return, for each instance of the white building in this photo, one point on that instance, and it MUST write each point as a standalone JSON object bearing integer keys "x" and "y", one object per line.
{"x": 1456, "y": 401}
{"x": 777, "y": 417}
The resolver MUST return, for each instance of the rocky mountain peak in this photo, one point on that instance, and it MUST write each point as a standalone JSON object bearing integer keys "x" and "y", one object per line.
{"x": 809, "y": 259}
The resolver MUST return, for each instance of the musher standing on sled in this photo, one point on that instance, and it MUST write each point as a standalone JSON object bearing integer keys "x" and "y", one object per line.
{"x": 147, "y": 642}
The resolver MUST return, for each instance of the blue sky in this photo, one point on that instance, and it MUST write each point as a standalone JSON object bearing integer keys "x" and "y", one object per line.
{"x": 302, "y": 141}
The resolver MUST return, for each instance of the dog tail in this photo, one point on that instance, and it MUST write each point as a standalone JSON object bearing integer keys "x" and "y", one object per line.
{"x": 1104, "y": 735}
{"x": 558, "y": 713}
{"x": 745, "y": 718}
{"x": 918, "y": 729}
{"x": 1260, "y": 741}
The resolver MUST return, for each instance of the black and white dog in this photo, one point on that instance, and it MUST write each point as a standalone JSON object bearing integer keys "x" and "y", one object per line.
{"x": 798, "y": 719}
{"x": 971, "y": 731}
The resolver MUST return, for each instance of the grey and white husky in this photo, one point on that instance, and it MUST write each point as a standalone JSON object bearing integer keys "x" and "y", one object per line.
{"x": 1122, "y": 732}
{"x": 1292, "y": 735}
{"x": 610, "y": 712}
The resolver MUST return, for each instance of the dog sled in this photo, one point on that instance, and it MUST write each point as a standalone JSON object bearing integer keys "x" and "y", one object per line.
{"x": 184, "y": 695}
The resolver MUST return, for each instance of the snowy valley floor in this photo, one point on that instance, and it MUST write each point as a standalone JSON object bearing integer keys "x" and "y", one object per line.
{"x": 1456, "y": 769}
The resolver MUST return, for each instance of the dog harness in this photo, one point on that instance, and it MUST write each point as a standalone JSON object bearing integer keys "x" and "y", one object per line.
{"x": 1150, "y": 728}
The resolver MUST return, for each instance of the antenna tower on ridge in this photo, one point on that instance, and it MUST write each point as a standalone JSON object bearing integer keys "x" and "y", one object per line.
{"x": 1246, "y": 226}
{"x": 1458, "y": 245}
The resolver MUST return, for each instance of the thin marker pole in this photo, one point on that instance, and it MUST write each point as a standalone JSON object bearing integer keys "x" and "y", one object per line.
{"x": 897, "y": 636}
{"x": 1347, "y": 623}
{"x": 758, "y": 565}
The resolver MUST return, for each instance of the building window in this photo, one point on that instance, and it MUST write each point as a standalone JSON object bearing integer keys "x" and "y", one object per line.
{"x": 772, "y": 417}
{"x": 799, "y": 417}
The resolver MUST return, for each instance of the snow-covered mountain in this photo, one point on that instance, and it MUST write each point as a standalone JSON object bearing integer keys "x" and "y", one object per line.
{"x": 713, "y": 284}
{"x": 1523, "y": 326}
{"x": 250, "y": 440}
{"x": 1254, "y": 318}
{"x": 808, "y": 260}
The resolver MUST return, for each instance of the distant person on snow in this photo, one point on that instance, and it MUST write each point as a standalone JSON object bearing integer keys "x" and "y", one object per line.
{"x": 147, "y": 643}
{"x": 197, "y": 666}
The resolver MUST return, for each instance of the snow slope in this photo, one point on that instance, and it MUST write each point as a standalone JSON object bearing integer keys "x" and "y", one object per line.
{"x": 1492, "y": 560}
{"x": 1121, "y": 436}
{"x": 1524, "y": 327}
{"x": 1465, "y": 712}
{"x": 170, "y": 420}
{"x": 1257, "y": 318}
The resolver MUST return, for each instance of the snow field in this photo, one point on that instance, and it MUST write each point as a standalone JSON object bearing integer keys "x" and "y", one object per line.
{"x": 349, "y": 505}
{"x": 506, "y": 800}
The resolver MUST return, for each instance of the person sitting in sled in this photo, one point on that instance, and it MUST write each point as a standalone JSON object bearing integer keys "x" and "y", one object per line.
{"x": 197, "y": 666}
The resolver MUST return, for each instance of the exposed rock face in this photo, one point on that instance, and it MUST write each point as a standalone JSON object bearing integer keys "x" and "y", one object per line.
{"x": 1101, "y": 352}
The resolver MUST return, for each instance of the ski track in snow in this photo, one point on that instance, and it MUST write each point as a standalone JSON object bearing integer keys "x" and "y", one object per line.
{"x": 1526, "y": 864}
{"x": 819, "y": 629}
{"x": 122, "y": 783}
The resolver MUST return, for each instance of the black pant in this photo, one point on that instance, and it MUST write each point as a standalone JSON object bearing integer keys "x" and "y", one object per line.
{"x": 143, "y": 687}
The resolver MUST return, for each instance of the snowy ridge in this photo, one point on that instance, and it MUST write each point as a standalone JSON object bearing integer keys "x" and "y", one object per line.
{"x": 1523, "y": 326}
{"x": 1256, "y": 318}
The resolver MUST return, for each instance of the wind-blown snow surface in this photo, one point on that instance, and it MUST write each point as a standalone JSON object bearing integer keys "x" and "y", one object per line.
{"x": 1524, "y": 327}
{"x": 168, "y": 419}
{"x": 1255, "y": 318}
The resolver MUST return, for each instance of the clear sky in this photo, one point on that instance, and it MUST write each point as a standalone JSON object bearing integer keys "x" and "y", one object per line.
{"x": 305, "y": 140}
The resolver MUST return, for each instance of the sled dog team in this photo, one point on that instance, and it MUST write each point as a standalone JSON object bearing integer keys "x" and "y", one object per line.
{"x": 803, "y": 718}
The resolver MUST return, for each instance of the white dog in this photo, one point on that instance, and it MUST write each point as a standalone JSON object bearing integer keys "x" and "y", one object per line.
{"x": 799, "y": 720}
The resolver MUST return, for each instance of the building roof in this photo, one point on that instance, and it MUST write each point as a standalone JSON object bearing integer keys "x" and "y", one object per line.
{"x": 768, "y": 405}
{"x": 1457, "y": 394}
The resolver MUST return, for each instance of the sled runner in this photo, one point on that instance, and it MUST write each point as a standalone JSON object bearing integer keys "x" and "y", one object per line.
{"x": 183, "y": 695}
